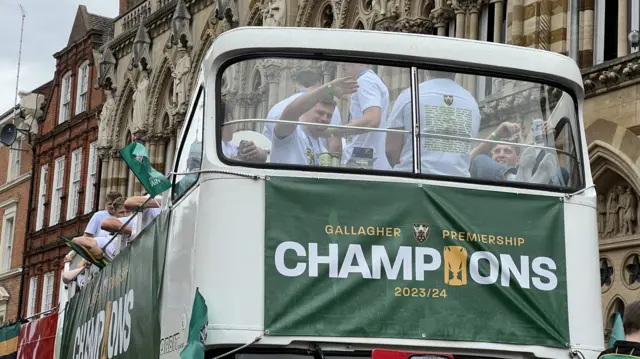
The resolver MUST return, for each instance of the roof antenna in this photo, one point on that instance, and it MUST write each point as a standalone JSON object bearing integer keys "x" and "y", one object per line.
{"x": 15, "y": 99}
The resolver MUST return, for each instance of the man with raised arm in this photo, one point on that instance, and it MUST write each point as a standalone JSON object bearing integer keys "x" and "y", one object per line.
{"x": 110, "y": 224}
{"x": 306, "y": 80}
{"x": 93, "y": 228}
{"x": 445, "y": 108}
{"x": 150, "y": 210}
{"x": 299, "y": 144}
{"x": 369, "y": 109}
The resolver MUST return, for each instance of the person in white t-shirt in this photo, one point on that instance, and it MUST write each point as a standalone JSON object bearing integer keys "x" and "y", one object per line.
{"x": 306, "y": 80}
{"x": 77, "y": 274}
{"x": 445, "y": 108}
{"x": 109, "y": 225}
{"x": 299, "y": 144}
{"x": 93, "y": 228}
{"x": 150, "y": 211}
{"x": 369, "y": 108}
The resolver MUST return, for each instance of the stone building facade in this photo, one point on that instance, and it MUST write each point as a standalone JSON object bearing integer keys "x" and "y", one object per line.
{"x": 15, "y": 176}
{"x": 67, "y": 177}
{"x": 149, "y": 67}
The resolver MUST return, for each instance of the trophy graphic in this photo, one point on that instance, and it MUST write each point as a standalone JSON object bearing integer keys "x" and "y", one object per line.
{"x": 455, "y": 262}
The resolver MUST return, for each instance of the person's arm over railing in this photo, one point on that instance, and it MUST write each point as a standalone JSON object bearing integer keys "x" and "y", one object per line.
{"x": 112, "y": 224}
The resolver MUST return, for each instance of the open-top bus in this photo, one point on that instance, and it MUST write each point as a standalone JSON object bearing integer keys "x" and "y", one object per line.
{"x": 361, "y": 231}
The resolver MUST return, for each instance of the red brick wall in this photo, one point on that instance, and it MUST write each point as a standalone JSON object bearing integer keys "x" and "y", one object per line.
{"x": 44, "y": 251}
{"x": 123, "y": 6}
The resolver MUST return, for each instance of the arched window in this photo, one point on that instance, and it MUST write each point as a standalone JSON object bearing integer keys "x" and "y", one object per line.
{"x": 326, "y": 17}
{"x": 65, "y": 98}
{"x": 83, "y": 87}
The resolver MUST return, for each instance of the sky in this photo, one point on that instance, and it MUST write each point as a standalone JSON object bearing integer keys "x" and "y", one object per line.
{"x": 47, "y": 26}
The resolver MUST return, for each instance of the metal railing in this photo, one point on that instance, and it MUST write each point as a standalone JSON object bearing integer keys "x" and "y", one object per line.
{"x": 406, "y": 132}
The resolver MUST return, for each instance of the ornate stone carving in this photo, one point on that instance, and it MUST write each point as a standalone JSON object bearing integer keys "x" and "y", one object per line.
{"x": 179, "y": 73}
{"x": 226, "y": 10}
{"x": 107, "y": 69}
{"x": 621, "y": 211}
{"x": 440, "y": 16}
{"x": 106, "y": 117}
{"x": 386, "y": 8}
{"x": 180, "y": 32}
{"x": 140, "y": 104}
{"x": 620, "y": 72}
{"x": 275, "y": 13}
{"x": 602, "y": 214}
{"x": 141, "y": 57}
{"x": 417, "y": 26}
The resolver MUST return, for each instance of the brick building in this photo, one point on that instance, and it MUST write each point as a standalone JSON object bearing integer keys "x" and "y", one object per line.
{"x": 15, "y": 180}
{"x": 66, "y": 181}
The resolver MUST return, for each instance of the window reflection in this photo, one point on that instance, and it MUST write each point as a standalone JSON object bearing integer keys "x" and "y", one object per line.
{"x": 341, "y": 114}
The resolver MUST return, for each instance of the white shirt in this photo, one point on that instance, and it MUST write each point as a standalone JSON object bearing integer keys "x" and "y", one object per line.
{"x": 298, "y": 148}
{"x": 109, "y": 252}
{"x": 445, "y": 108}
{"x": 372, "y": 93}
{"x": 147, "y": 215}
{"x": 229, "y": 149}
{"x": 96, "y": 221}
{"x": 276, "y": 111}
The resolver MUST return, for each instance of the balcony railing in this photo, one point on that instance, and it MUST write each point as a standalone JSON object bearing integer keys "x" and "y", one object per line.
{"x": 135, "y": 16}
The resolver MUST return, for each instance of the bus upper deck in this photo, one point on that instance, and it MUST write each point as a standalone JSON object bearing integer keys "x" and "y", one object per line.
{"x": 363, "y": 190}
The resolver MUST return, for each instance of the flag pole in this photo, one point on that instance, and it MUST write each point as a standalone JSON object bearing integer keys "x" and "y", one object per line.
{"x": 127, "y": 222}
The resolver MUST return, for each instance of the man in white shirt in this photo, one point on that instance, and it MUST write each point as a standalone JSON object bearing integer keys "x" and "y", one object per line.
{"x": 299, "y": 144}
{"x": 110, "y": 224}
{"x": 307, "y": 80}
{"x": 150, "y": 211}
{"x": 369, "y": 108}
{"x": 445, "y": 108}
{"x": 93, "y": 227}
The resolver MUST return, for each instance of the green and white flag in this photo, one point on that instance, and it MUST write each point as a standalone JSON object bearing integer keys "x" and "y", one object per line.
{"x": 137, "y": 158}
{"x": 617, "y": 332}
{"x": 197, "y": 329}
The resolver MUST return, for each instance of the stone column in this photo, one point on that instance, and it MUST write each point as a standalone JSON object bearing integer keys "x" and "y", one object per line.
{"x": 623, "y": 48}
{"x": 172, "y": 151}
{"x": 153, "y": 155}
{"x": 473, "y": 35}
{"x": 460, "y": 29}
{"x": 517, "y": 22}
{"x": 104, "y": 175}
{"x": 497, "y": 20}
{"x": 440, "y": 17}
{"x": 587, "y": 39}
{"x": 160, "y": 155}
{"x": 272, "y": 73}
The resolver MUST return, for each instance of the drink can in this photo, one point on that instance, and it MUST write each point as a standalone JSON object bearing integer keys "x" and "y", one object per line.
{"x": 538, "y": 135}
{"x": 335, "y": 159}
{"x": 241, "y": 148}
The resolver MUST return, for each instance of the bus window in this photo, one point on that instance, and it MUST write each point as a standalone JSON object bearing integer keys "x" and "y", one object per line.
{"x": 190, "y": 153}
{"x": 293, "y": 104}
{"x": 495, "y": 129}
{"x": 309, "y": 113}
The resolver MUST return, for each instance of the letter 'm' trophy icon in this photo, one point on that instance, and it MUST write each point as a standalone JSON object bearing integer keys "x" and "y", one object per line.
{"x": 455, "y": 265}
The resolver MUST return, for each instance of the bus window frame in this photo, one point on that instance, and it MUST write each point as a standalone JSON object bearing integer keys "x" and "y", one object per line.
{"x": 409, "y": 64}
{"x": 200, "y": 94}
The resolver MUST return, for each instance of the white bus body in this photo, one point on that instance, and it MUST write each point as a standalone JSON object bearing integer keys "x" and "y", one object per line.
{"x": 216, "y": 241}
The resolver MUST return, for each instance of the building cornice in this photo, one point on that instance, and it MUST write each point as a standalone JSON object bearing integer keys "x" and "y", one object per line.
{"x": 611, "y": 75}
{"x": 9, "y": 185}
{"x": 10, "y": 273}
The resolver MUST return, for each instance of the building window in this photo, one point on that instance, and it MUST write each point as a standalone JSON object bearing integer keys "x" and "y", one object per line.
{"x": 65, "y": 98}
{"x": 33, "y": 292}
{"x": 91, "y": 178}
{"x": 56, "y": 202}
{"x": 83, "y": 87}
{"x": 8, "y": 232}
{"x": 15, "y": 156}
{"x": 74, "y": 183}
{"x": 47, "y": 292}
{"x": 606, "y": 31}
{"x": 42, "y": 197}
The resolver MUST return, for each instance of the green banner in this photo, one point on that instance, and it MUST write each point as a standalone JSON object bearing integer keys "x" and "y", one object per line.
{"x": 116, "y": 315}
{"x": 136, "y": 156}
{"x": 399, "y": 260}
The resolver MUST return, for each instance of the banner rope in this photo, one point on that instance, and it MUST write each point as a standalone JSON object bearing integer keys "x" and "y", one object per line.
{"x": 244, "y": 346}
